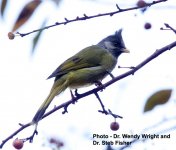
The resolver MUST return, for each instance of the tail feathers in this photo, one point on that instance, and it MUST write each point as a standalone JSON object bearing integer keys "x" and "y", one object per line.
{"x": 39, "y": 114}
{"x": 56, "y": 90}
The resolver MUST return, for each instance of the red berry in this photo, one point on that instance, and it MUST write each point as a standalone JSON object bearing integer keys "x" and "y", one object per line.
{"x": 11, "y": 35}
{"x": 141, "y": 3}
{"x": 18, "y": 144}
{"x": 147, "y": 26}
{"x": 114, "y": 126}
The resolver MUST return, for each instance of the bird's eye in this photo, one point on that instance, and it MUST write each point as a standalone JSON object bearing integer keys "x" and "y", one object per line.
{"x": 116, "y": 44}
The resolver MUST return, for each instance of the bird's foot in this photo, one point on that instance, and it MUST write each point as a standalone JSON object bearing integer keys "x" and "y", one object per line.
{"x": 111, "y": 75}
{"x": 74, "y": 96}
{"x": 99, "y": 84}
{"x": 76, "y": 93}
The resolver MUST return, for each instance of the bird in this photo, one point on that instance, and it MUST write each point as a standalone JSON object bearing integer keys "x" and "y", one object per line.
{"x": 87, "y": 67}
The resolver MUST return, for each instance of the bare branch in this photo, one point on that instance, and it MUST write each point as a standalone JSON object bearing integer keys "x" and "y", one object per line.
{"x": 168, "y": 27}
{"x": 171, "y": 28}
{"x": 16, "y": 132}
{"x": 85, "y": 17}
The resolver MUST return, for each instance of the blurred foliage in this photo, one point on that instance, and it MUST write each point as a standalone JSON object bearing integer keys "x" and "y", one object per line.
{"x": 26, "y": 13}
{"x": 158, "y": 98}
{"x": 37, "y": 37}
{"x": 57, "y": 2}
{"x": 24, "y": 16}
{"x": 3, "y": 6}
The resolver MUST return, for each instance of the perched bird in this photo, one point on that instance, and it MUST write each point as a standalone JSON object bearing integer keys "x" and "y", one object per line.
{"x": 87, "y": 67}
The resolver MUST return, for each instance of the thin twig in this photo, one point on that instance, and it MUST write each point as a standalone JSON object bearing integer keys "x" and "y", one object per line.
{"x": 103, "y": 108}
{"x": 16, "y": 132}
{"x": 132, "y": 67}
{"x": 171, "y": 28}
{"x": 85, "y": 17}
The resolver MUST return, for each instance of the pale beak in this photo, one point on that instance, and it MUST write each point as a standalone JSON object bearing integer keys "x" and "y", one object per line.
{"x": 125, "y": 50}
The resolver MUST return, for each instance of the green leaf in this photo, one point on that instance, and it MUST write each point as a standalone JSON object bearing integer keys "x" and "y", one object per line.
{"x": 158, "y": 98}
{"x": 3, "y": 6}
{"x": 37, "y": 37}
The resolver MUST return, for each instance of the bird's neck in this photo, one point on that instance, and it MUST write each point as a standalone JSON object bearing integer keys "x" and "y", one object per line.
{"x": 114, "y": 52}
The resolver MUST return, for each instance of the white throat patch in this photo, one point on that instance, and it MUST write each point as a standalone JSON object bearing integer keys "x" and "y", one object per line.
{"x": 109, "y": 45}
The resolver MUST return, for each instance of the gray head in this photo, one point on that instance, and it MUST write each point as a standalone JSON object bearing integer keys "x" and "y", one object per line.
{"x": 114, "y": 43}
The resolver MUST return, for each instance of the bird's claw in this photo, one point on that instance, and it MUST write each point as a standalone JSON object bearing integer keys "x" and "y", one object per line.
{"x": 99, "y": 84}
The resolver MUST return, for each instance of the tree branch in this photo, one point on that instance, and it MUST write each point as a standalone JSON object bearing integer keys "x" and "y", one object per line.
{"x": 86, "y": 17}
{"x": 97, "y": 89}
{"x": 171, "y": 28}
{"x": 15, "y": 133}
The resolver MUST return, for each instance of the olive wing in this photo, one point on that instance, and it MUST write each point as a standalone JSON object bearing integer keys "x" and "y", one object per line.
{"x": 88, "y": 57}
